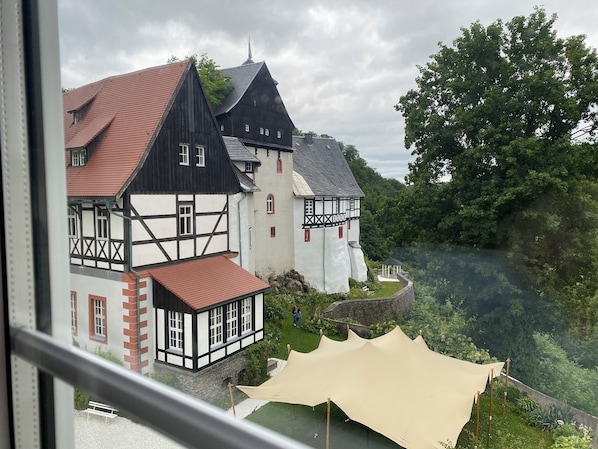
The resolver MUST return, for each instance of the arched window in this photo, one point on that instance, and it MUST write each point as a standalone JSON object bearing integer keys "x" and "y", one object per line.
{"x": 270, "y": 204}
{"x": 279, "y": 165}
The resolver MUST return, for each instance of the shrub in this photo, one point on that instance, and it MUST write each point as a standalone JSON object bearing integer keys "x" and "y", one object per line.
{"x": 571, "y": 442}
{"x": 256, "y": 363}
{"x": 81, "y": 399}
{"x": 527, "y": 404}
{"x": 107, "y": 354}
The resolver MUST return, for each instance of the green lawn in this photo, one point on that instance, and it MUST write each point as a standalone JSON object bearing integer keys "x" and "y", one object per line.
{"x": 388, "y": 289}
{"x": 308, "y": 426}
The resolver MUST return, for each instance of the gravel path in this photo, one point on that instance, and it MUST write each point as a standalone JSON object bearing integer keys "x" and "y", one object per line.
{"x": 122, "y": 433}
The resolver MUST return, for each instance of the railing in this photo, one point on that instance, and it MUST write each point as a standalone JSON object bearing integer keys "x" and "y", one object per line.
{"x": 188, "y": 421}
{"x": 324, "y": 220}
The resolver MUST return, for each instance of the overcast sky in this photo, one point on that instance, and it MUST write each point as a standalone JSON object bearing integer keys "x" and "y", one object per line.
{"x": 341, "y": 65}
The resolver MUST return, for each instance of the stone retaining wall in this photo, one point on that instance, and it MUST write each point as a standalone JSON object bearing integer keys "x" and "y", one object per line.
{"x": 545, "y": 401}
{"x": 211, "y": 383}
{"x": 371, "y": 311}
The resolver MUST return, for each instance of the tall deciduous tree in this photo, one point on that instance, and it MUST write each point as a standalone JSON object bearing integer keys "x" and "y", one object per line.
{"x": 497, "y": 115}
{"x": 216, "y": 86}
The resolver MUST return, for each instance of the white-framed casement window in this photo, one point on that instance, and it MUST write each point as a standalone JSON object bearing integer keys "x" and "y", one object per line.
{"x": 270, "y": 204}
{"x": 248, "y": 167}
{"x": 97, "y": 324}
{"x": 309, "y": 206}
{"x": 185, "y": 219}
{"x": 175, "y": 331}
{"x": 267, "y": 132}
{"x": 246, "y": 323}
{"x": 78, "y": 157}
{"x": 278, "y": 134}
{"x": 232, "y": 320}
{"x": 183, "y": 154}
{"x": 73, "y": 222}
{"x": 74, "y": 313}
{"x": 246, "y": 128}
{"x": 102, "y": 223}
{"x": 200, "y": 156}
{"x": 216, "y": 326}
{"x": 261, "y": 131}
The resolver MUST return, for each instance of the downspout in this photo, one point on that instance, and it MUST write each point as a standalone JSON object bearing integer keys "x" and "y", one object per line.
{"x": 239, "y": 221}
{"x": 324, "y": 257}
{"x": 137, "y": 281}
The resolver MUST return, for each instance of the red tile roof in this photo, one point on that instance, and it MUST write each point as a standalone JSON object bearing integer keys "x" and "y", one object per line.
{"x": 202, "y": 283}
{"x": 129, "y": 108}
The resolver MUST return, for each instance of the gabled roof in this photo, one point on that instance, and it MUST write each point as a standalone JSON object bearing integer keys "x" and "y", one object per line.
{"x": 128, "y": 109}
{"x": 320, "y": 169}
{"x": 241, "y": 78}
{"x": 203, "y": 283}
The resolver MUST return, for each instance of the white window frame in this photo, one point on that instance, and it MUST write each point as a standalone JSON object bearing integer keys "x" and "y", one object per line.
{"x": 74, "y": 313}
{"x": 102, "y": 223}
{"x": 261, "y": 131}
{"x": 216, "y": 334}
{"x": 232, "y": 320}
{"x": 309, "y": 206}
{"x": 278, "y": 134}
{"x": 185, "y": 219}
{"x": 73, "y": 223}
{"x": 200, "y": 156}
{"x": 246, "y": 128}
{"x": 184, "y": 154}
{"x": 246, "y": 322}
{"x": 248, "y": 167}
{"x": 175, "y": 331}
{"x": 270, "y": 204}
{"x": 98, "y": 314}
{"x": 78, "y": 157}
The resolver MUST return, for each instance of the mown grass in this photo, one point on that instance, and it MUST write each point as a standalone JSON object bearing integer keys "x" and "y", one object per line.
{"x": 387, "y": 289}
{"x": 308, "y": 425}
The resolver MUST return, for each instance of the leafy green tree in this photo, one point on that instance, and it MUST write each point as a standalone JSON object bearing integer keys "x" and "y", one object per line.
{"x": 216, "y": 86}
{"x": 499, "y": 116}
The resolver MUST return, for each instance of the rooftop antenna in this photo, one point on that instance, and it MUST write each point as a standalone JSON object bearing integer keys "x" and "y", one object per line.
{"x": 249, "y": 58}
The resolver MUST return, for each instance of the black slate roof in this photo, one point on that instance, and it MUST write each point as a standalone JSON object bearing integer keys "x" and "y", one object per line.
{"x": 237, "y": 151}
{"x": 241, "y": 78}
{"x": 320, "y": 162}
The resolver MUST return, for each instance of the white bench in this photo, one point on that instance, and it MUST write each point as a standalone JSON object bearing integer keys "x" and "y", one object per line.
{"x": 97, "y": 408}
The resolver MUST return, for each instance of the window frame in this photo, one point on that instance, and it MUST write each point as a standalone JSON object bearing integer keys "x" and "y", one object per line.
{"x": 247, "y": 128}
{"x": 72, "y": 218}
{"x": 184, "y": 154}
{"x": 309, "y": 206}
{"x": 278, "y": 165}
{"x": 200, "y": 156}
{"x": 232, "y": 321}
{"x": 216, "y": 327}
{"x": 185, "y": 220}
{"x": 74, "y": 320}
{"x": 78, "y": 157}
{"x": 248, "y": 167}
{"x": 175, "y": 325}
{"x": 270, "y": 204}
{"x": 272, "y": 231}
{"x": 102, "y": 223}
{"x": 98, "y": 321}
{"x": 340, "y": 232}
{"x": 246, "y": 315}
{"x": 307, "y": 235}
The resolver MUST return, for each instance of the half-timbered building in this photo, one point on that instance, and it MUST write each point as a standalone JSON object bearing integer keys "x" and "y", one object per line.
{"x": 326, "y": 210}
{"x": 149, "y": 186}
{"x": 255, "y": 114}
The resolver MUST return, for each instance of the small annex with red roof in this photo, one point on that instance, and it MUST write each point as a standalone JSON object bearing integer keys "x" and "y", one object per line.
{"x": 149, "y": 182}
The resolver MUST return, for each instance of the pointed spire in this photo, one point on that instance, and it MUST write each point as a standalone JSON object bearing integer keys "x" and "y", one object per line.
{"x": 249, "y": 60}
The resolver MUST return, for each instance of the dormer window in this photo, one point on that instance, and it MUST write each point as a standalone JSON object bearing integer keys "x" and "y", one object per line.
{"x": 248, "y": 167}
{"x": 78, "y": 157}
{"x": 76, "y": 116}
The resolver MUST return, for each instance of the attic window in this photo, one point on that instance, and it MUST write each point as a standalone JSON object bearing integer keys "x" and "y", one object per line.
{"x": 77, "y": 116}
{"x": 248, "y": 167}
{"x": 183, "y": 154}
{"x": 246, "y": 128}
{"x": 78, "y": 157}
{"x": 278, "y": 134}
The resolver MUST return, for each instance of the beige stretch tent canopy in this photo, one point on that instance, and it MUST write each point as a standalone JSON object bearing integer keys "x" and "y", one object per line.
{"x": 395, "y": 386}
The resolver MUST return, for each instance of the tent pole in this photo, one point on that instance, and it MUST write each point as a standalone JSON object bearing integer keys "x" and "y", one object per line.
{"x": 477, "y": 420}
{"x": 504, "y": 400}
{"x": 232, "y": 400}
{"x": 328, "y": 426}
{"x": 490, "y": 412}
